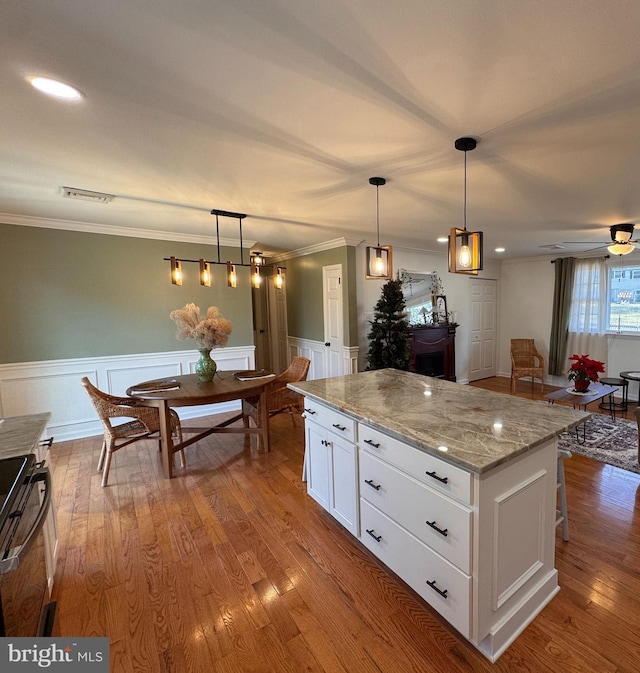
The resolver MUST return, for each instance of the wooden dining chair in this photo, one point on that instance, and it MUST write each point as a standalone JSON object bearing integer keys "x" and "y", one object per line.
{"x": 145, "y": 423}
{"x": 279, "y": 397}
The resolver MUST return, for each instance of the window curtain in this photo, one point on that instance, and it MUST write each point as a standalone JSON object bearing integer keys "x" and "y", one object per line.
{"x": 564, "y": 270}
{"x": 587, "y": 319}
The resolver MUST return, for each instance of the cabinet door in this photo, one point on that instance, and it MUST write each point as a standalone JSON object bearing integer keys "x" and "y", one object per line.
{"x": 318, "y": 464}
{"x": 344, "y": 487}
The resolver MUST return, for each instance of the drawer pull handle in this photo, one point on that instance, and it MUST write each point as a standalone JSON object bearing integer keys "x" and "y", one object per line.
{"x": 370, "y": 482}
{"x": 377, "y": 538}
{"x": 433, "y": 474}
{"x": 432, "y": 584}
{"x": 339, "y": 427}
{"x": 324, "y": 442}
{"x": 310, "y": 411}
{"x": 372, "y": 443}
{"x": 439, "y": 530}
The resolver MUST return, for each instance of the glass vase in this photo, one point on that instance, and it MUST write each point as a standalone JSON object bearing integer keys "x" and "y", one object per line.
{"x": 206, "y": 367}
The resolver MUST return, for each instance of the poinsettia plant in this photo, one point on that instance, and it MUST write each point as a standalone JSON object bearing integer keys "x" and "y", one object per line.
{"x": 584, "y": 368}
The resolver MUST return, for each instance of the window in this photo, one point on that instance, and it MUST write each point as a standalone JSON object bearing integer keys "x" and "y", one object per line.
{"x": 623, "y": 310}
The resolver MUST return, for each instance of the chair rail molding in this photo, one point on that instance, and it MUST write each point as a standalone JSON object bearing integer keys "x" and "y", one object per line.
{"x": 316, "y": 351}
{"x": 54, "y": 385}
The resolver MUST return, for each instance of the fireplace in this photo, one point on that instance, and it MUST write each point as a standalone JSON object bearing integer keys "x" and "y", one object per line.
{"x": 432, "y": 351}
{"x": 430, "y": 364}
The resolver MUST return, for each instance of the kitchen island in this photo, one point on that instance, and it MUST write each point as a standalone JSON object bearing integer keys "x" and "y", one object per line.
{"x": 452, "y": 487}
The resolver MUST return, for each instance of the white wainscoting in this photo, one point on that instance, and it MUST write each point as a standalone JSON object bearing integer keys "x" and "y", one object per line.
{"x": 54, "y": 385}
{"x": 316, "y": 351}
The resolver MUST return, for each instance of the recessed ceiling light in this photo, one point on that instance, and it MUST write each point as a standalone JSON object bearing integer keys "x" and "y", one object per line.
{"x": 500, "y": 249}
{"x": 54, "y": 88}
{"x": 443, "y": 239}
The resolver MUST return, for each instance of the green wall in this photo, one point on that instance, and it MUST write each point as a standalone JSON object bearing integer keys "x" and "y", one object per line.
{"x": 304, "y": 293}
{"x": 72, "y": 294}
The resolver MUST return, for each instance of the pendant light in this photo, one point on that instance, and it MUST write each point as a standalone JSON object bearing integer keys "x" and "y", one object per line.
{"x": 176, "y": 271}
{"x": 465, "y": 247}
{"x": 205, "y": 273}
{"x": 378, "y": 256}
{"x": 278, "y": 280}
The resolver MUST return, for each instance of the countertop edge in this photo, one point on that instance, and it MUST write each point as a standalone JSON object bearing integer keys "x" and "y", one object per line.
{"x": 421, "y": 446}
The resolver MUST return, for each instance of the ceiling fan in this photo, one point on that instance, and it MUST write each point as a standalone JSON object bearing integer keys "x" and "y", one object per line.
{"x": 621, "y": 241}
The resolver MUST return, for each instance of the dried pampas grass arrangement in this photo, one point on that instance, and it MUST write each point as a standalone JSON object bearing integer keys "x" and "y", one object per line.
{"x": 208, "y": 333}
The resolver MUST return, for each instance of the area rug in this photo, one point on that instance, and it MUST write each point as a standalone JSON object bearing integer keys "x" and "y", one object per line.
{"x": 608, "y": 441}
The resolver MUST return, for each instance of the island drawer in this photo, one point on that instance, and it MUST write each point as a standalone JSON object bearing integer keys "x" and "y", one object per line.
{"x": 440, "y": 584}
{"x": 332, "y": 420}
{"x": 433, "y": 471}
{"x": 432, "y": 517}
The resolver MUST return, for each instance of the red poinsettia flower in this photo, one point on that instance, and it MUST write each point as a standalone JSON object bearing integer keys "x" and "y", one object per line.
{"x": 584, "y": 368}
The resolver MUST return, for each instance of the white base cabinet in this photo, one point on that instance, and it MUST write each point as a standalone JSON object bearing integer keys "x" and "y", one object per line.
{"x": 331, "y": 462}
{"x": 477, "y": 547}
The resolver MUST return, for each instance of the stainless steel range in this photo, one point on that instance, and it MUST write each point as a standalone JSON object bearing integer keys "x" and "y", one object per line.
{"x": 25, "y": 498}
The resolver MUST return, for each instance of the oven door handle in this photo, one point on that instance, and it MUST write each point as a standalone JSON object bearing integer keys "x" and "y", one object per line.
{"x": 13, "y": 561}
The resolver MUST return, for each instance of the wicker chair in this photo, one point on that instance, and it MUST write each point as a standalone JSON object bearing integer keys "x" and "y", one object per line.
{"x": 526, "y": 361}
{"x": 146, "y": 423}
{"x": 279, "y": 397}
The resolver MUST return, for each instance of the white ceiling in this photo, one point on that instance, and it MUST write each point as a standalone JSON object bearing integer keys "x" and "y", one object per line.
{"x": 283, "y": 109}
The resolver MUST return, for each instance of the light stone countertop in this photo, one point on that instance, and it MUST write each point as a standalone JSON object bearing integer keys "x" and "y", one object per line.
{"x": 479, "y": 428}
{"x": 21, "y": 434}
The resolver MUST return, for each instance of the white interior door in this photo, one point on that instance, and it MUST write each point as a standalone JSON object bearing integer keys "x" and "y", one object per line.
{"x": 482, "y": 348}
{"x": 333, "y": 323}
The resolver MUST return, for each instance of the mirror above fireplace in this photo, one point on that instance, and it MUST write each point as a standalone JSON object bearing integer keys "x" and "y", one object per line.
{"x": 417, "y": 292}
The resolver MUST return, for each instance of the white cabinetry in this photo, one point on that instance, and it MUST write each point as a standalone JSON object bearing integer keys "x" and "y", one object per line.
{"x": 331, "y": 462}
{"x": 476, "y": 546}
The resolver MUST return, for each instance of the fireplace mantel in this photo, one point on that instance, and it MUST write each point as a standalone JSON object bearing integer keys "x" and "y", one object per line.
{"x": 433, "y": 340}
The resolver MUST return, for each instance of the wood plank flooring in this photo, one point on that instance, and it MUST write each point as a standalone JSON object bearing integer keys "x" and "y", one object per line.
{"x": 230, "y": 567}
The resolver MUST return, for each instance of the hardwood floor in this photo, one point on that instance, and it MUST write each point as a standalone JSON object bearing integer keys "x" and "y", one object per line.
{"x": 231, "y": 567}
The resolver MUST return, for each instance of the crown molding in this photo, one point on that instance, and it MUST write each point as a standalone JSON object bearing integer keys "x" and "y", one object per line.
{"x": 109, "y": 230}
{"x": 318, "y": 247}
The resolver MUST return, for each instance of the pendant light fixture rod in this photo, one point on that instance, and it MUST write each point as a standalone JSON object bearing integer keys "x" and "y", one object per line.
{"x": 218, "y": 236}
{"x": 465, "y": 145}
{"x": 377, "y": 182}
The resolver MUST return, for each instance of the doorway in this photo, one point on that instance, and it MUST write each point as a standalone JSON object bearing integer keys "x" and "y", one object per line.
{"x": 270, "y": 326}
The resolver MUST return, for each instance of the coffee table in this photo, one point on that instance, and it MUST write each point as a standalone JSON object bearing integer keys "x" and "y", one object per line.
{"x": 597, "y": 391}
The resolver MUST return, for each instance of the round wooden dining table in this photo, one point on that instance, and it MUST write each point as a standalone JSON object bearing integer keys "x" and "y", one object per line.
{"x": 186, "y": 391}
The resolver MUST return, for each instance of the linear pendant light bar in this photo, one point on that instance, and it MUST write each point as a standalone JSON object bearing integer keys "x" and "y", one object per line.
{"x": 205, "y": 264}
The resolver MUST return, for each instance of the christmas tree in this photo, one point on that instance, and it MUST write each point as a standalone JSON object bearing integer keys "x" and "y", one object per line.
{"x": 389, "y": 334}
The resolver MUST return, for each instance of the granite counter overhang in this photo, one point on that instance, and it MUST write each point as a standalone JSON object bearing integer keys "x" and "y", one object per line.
{"x": 479, "y": 428}
{"x": 20, "y": 435}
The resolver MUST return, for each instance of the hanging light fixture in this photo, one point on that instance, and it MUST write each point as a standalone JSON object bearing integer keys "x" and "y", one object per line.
{"x": 378, "y": 256}
{"x": 205, "y": 273}
{"x": 176, "y": 271}
{"x": 465, "y": 247}
{"x": 232, "y": 277}
{"x": 621, "y": 236}
{"x": 256, "y": 262}
{"x": 256, "y": 278}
